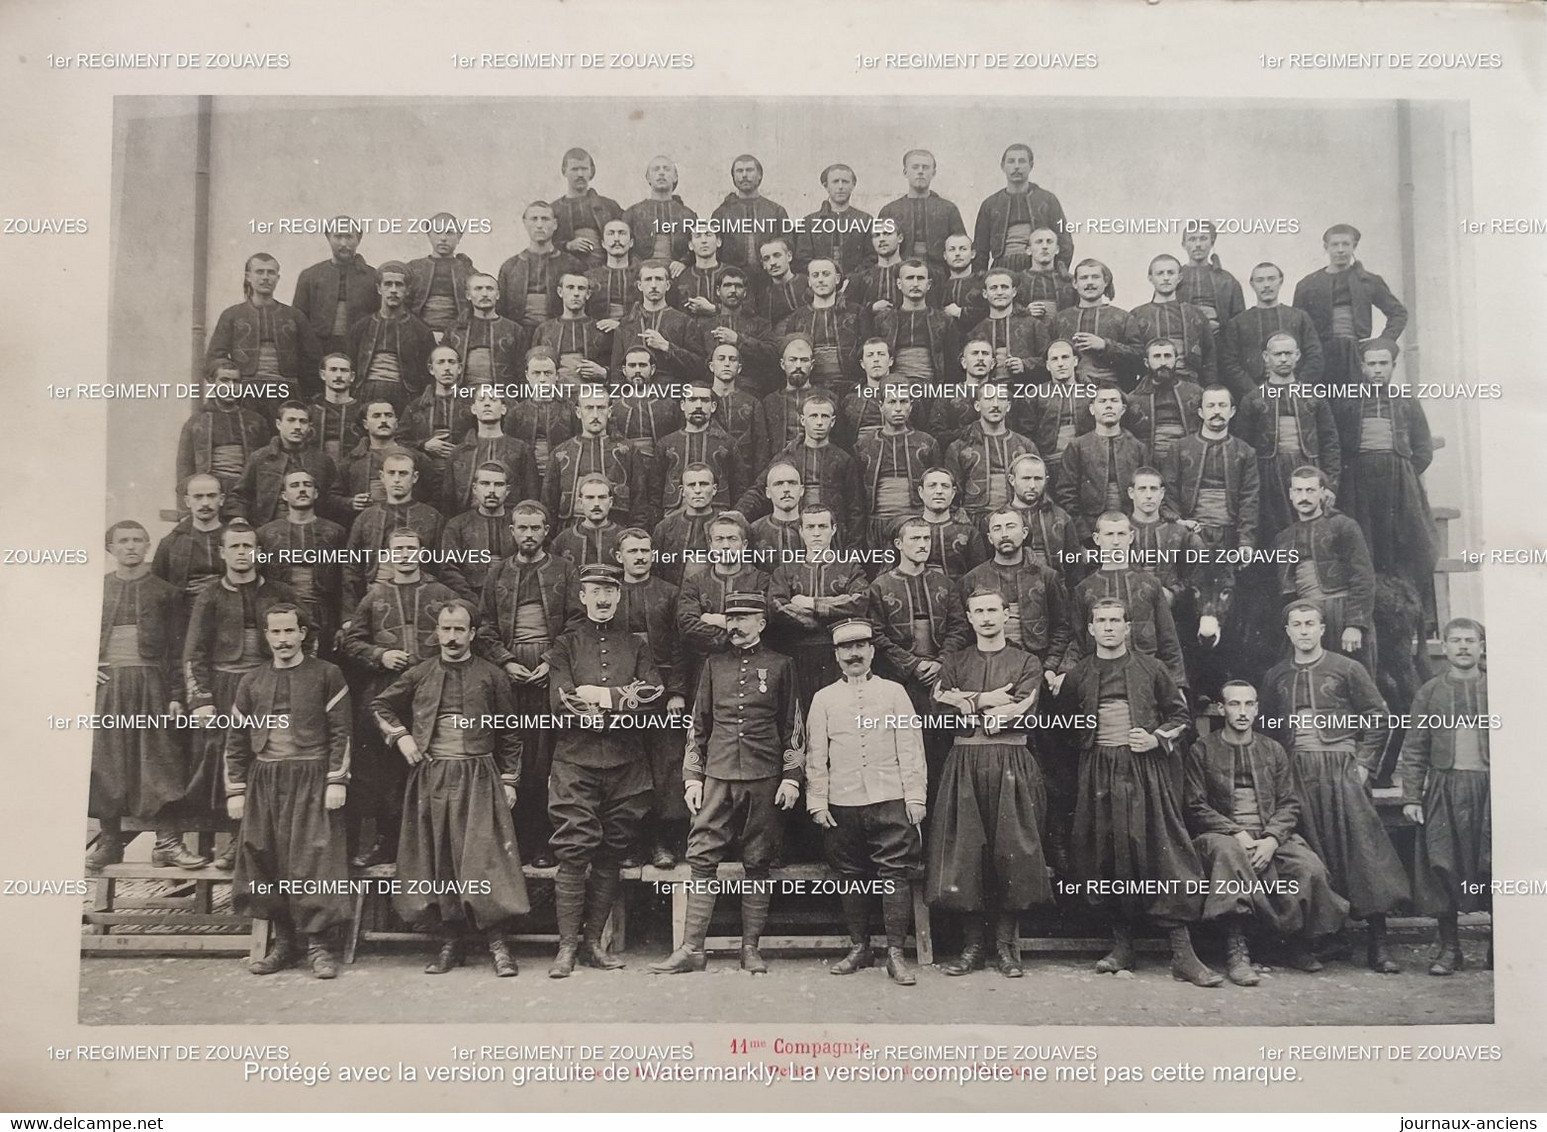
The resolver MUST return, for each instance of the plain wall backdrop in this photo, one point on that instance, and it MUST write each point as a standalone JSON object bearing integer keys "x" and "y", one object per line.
{"x": 1314, "y": 162}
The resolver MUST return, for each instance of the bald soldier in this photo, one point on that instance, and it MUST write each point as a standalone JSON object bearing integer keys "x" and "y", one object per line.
{"x": 659, "y": 221}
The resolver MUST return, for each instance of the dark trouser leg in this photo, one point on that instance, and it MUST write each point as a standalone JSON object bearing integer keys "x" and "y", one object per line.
{"x": 1007, "y": 954}
{"x": 972, "y": 957}
{"x": 1376, "y": 953}
{"x": 1448, "y": 960}
{"x": 755, "y": 899}
{"x": 600, "y": 893}
{"x": 1121, "y": 957}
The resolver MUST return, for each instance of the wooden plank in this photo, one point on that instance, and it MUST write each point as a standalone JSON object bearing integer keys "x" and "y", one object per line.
{"x": 146, "y": 871}
{"x": 203, "y": 944}
{"x": 834, "y": 943}
{"x": 168, "y": 920}
{"x": 1444, "y": 514}
{"x": 1456, "y": 566}
{"x": 262, "y": 936}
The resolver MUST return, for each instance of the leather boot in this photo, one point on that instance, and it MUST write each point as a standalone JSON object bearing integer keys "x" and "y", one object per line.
{"x": 569, "y": 903}
{"x": 601, "y": 891}
{"x": 1121, "y": 957}
{"x": 1007, "y": 959}
{"x": 451, "y": 954}
{"x": 897, "y": 968}
{"x": 109, "y": 850}
{"x": 281, "y": 954}
{"x": 1238, "y": 964}
{"x": 856, "y": 914}
{"x": 170, "y": 852}
{"x": 1376, "y": 954}
{"x": 690, "y": 956}
{"x": 754, "y": 914}
{"x": 1186, "y": 966}
{"x": 1299, "y": 956}
{"x": 973, "y": 957}
{"x": 505, "y": 966}
{"x": 1449, "y": 960}
{"x": 320, "y": 955}
{"x": 379, "y": 852}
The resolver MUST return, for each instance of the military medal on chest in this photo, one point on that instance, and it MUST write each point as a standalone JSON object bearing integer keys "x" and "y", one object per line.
{"x": 762, "y": 679}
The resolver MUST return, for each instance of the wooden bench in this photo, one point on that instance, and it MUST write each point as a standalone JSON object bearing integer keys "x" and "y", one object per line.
{"x": 190, "y": 904}
{"x": 678, "y": 877}
{"x": 614, "y": 932}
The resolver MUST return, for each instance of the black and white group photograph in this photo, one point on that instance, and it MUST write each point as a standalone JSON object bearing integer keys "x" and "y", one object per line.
{"x": 896, "y": 560}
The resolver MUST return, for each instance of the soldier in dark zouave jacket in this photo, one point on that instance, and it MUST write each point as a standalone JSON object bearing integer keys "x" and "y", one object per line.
{"x": 982, "y": 454}
{"x": 836, "y": 231}
{"x": 1444, "y": 768}
{"x": 658, "y": 221}
{"x": 258, "y": 495}
{"x": 372, "y": 530}
{"x": 579, "y": 341}
{"x": 735, "y": 323}
{"x": 686, "y": 529}
{"x": 1105, "y": 338}
{"x": 919, "y": 335}
{"x": 953, "y": 537}
{"x": 1129, "y": 823}
{"x": 1146, "y": 607}
{"x": 435, "y": 421}
{"x": 594, "y": 536}
{"x": 1019, "y": 340}
{"x": 1044, "y": 288}
{"x": 806, "y": 597}
{"x": 1204, "y": 283}
{"x": 776, "y": 536}
{"x": 986, "y": 861}
{"x": 782, "y": 407}
{"x": 744, "y": 762}
{"x": 1050, "y": 533}
{"x": 1243, "y": 814}
{"x": 865, "y": 788}
{"x": 874, "y": 288}
{"x": 831, "y": 326}
{"x": 739, "y": 412}
{"x": 268, "y": 342}
{"x": 1211, "y": 477}
{"x": 599, "y": 788}
{"x": 490, "y": 345}
{"x": 1059, "y": 412}
{"x": 1331, "y": 566}
{"x": 594, "y": 450}
{"x": 645, "y": 411}
{"x": 828, "y": 474}
{"x": 1386, "y": 447}
{"x": 336, "y": 413}
{"x": 647, "y": 608}
{"x": 611, "y": 283}
{"x": 671, "y": 336}
{"x": 1168, "y": 316}
{"x": 138, "y": 772}
{"x": 302, "y": 550}
{"x": 1327, "y": 711}
{"x": 695, "y": 289}
{"x": 529, "y": 280}
{"x": 225, "y": 642}
{"x": 363, "y": 487}
{"x": 473, "y": 541}
{"x": 390, "y": 629}
{"x": 581, "y": 211}
{"x": 700, "y": 440}
{"x": 459, "y": 860}
{"x": 287, "y": 785}
{"x": 891, "y": 460}
{"x": 528, "y": 600}
{"x": 1163, "y": 407}
{"x": 487, "y": 443}
{"x": 922, "y": 216}
{"x": 960, "y": 293}
{"x": 543, "y": 418}
{"x": 862, "y": 408}
{"x": 1289, "y": 428}
{"x": 1244, "y": 338}
{"x": 747, "y": 215}
{"x": 391, "y": 346}
{"x": 1008, "y": 219}
{"x": 437, "y": 283}
{"x": 221, "y": 436}
{"x": 918, "y": 616}
{"x": 1098, "y": 464}
{"x": 779, "y": 290}
{"x": 701, "y": 618}
{"x": 188, "y": 556}
{"x": 335, "y": 294}
{"x": 1339, "y": 299}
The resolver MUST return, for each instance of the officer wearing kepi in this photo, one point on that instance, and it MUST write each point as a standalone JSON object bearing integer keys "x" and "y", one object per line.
{"x": 743, "y": 761}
